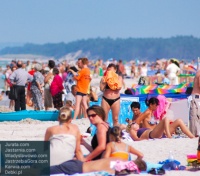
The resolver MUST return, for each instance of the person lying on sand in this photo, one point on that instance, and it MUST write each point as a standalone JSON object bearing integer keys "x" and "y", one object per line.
{"x": 118, "y": 149}
{"x": 163, "y": 129}
{"x": 110, "y": 165}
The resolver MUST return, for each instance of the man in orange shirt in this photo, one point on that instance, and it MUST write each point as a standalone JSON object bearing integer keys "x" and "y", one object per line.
{"x": 83, "y": 82}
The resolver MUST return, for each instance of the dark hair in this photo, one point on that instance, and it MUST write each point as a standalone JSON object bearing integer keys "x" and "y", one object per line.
{"x": 73, "y": 86}
{"x": 19, "y": 64}
{"x": 98, "y": 110}
{"x": 141, "y": 164}
{"x": 112, "y": 65}
{"x": 116, "y": 132}
{"x": 51, "y": 64}
{"x": 152, "y": 100}
{"x": 135, "y": 104}
{"x": 74, "y": 68}
{"x": 55, "y": 71}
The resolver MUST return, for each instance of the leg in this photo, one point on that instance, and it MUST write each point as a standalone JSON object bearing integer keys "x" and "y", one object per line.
{"x": 179, "y": 123}
{"x": 17, "y": 101}
{"x": 106, "y": 108}
{"x": 115, "y": 112}
{"x": 22, "y": 98}
{"x": 158, "y": 131}
{"x": 85, "y": 105}
{"x": 77, "y": 106}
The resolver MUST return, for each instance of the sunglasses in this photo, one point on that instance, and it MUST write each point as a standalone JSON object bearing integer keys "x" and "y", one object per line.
{"x": 91, "y": 115}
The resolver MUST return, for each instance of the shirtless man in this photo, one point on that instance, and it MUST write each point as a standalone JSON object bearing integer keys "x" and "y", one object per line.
{"x": 194, "y": 119}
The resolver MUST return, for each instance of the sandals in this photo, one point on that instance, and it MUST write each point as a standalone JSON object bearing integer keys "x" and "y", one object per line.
{"x": 155, "y": 171}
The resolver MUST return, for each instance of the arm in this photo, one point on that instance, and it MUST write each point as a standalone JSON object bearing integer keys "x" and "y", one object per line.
{"x": 77, "y": 76}
{"x": 12, "y": 77}
{"x": 102, "y": 85}
{"x": 108, "y": 150}
{"x": 87, "y": 146}
{"x": 142, "y": 117}
{"x": 136, "y": 152}
{"x": 101, "y": 137}
{"x": 47, "y": 134}
{"x": 49, "y": 75}
{"x": 78, "y": 151}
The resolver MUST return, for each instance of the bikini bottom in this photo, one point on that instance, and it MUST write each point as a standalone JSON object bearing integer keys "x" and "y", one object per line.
{"x": 110, "y": 101}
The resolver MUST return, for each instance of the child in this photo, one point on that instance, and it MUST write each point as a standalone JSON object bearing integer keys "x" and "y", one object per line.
{"x": 118, "y": 149}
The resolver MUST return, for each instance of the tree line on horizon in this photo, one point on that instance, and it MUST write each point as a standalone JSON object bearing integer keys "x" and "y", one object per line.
{"x": 180, "y": 47}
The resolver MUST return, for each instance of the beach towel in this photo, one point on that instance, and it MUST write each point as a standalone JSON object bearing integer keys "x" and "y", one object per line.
{"x": 162, "y": 107}
{"x": 112, "y": 80}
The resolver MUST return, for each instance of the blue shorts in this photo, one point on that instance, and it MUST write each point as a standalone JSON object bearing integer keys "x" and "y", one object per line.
{"x": 69, "y": 167}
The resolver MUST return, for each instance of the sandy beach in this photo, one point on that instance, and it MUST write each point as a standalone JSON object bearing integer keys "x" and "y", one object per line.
{"x": 154, "y": 150}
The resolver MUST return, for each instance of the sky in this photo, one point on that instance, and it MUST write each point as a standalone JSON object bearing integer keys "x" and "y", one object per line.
{"x": 54, "y": 21}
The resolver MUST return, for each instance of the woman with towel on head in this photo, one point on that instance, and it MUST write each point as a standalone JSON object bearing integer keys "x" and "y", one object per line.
{"x": 110, "y": 85}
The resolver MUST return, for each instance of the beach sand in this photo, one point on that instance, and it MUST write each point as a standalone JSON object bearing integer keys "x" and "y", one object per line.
{"x": 154, "y": 150}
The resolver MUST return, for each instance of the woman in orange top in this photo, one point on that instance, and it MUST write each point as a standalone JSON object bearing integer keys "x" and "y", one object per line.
{"x": 83, "y": 83}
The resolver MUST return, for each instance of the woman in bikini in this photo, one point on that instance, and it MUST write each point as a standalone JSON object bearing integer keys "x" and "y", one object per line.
{"x": 146, "y": 119}
{"x": 118, "y": 149}
{"x": 111, "y": 98}
{"x": 97, "y": 117}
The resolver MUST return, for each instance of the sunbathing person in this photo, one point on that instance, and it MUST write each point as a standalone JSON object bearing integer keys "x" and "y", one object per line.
{"x": 110, "y": 165}
{"x": 163, "y": 129}
{"x": 97, "y": 117}
{"x": 146, "y": 119}
{"x": 118, "y": 149}
{"x": 64, "y": 139}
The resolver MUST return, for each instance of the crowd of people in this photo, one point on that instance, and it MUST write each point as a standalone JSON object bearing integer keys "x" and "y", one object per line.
{"x": 68, "y": 88}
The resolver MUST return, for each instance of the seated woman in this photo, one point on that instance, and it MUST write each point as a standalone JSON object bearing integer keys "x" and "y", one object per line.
{"x": 110, "y": 165}
{"x": 118, "y": 149}
{"x": 97, "y": 117}
{"x": 160, "y": 130}
{"x": 64, "y": 139}
{"x": 146, "y": 119}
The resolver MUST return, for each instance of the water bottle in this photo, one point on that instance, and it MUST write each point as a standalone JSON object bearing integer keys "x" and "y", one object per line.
{"x": 171, "y": 157}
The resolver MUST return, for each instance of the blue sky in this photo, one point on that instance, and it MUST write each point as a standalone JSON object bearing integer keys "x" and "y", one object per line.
{"x": 53, "y": 21}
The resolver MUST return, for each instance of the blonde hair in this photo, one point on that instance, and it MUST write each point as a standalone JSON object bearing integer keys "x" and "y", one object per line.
{"x": 65, "y": 114}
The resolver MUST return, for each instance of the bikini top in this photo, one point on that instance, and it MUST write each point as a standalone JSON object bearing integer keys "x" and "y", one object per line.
{"x": 120, "y": 153}
{"x": 94, "y": 142}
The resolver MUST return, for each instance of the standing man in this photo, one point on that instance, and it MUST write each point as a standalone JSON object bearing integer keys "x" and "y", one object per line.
{"x": 19, "y": 79}
{"x": 194, "y": 118}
